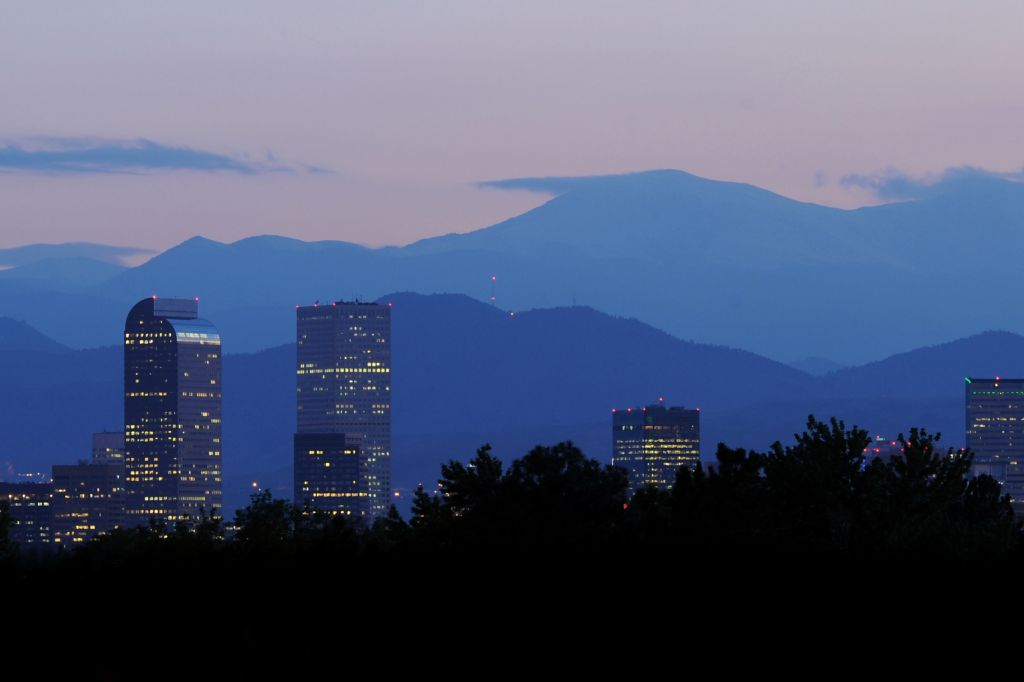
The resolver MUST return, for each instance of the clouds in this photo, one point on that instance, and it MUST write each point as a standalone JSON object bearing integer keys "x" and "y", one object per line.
{"x": 554, "y": 185}
{"x": 895, "y": 185}
{"x": 34, "y": 253}
{"x": 560, "y": 185}
{"x": 83, "y": 155}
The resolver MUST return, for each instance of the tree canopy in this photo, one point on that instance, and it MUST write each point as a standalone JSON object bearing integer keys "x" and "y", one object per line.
{"x": 820, "y": 495}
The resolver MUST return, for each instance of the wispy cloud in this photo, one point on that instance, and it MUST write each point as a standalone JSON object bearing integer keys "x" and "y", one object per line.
{"x": 80, "y": 155}
{"x": 538, "y": 185}
{"x": 895, "y": 185}
{"x": 560, "y": 185}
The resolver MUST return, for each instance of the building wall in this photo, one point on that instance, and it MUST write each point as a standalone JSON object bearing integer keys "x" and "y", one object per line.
{"x": 343, "y": 385}
{"x": 88, "y": 499}
{"x": 995, "y": 431}
{"x": 172, "y": 434}
{"x": 652, "y": 442}
{"x": 108, "y": 447}
{"x": 327, "y": 474}
{"x": 31, "y": 512}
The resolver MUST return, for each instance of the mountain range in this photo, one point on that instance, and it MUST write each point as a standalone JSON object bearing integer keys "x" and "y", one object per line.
{"x": 466, "y": 373}
{"x": 719, "y": 262}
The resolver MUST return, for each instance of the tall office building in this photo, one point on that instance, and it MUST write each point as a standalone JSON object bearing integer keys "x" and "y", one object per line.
{"x": 995, "y": 432}
{"x": 343, "y": 399}
{"x": 652, "y": 442}
{"x": 172, "y": 412}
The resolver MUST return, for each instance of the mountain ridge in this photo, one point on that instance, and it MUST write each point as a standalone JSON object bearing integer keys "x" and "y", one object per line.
{"x": 725, "y": 263}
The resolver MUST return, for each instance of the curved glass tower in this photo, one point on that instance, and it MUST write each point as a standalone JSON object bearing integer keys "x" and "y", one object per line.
{"x": 172, "y": 412}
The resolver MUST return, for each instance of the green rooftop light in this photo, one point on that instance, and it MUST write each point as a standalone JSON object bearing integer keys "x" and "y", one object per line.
{"x": 967, "y": 379}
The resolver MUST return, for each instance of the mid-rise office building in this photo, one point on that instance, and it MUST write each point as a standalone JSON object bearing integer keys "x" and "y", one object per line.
{"x": 29, "y": 505}
{"x": 172, "y": 412}
{"x": 108, "y": 447}
{"x": 327, "y": 473}
{"x": 651, "y": 443}
{"x": 343, "y": 402}
{"x": 88, "y": 499}
{"x": 995, "y": 432}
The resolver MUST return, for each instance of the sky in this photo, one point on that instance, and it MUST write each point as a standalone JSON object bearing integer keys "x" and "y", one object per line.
{"x": 144, "y": 124}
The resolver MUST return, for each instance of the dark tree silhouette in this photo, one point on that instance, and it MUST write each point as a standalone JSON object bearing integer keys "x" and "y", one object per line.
{"x": 553, "y": 498}
{"x": 266, "y": 521}
{"x": 819, "y": 497}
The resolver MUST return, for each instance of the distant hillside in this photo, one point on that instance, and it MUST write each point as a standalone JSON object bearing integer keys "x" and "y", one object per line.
{"x": 16, "y": 335}
{"x": 815, "y": 366}
{"x": 717, "y": 262}
{"x": 932, "y": 370}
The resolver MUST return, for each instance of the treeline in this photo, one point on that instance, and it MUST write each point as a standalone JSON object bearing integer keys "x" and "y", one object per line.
{"x": 820, "y": 497}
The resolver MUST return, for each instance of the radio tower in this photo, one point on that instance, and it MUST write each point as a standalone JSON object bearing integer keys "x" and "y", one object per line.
{"x": 494, "y": 298}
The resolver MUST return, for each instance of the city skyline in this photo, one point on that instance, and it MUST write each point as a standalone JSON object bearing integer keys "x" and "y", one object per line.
{"x": 317, "y": 318}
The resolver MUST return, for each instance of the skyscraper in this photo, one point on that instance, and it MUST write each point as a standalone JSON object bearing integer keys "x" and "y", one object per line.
{"x": 995, "y": 432}
{"x": 652, "y": 442}
{"x": 343, "y": 402}
{"x": 172, "y": 412}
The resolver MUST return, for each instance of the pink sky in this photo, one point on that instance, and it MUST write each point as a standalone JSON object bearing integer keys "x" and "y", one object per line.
{"x": 410, "y": 103}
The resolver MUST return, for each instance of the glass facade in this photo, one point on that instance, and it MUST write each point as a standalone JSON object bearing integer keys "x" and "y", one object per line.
{"x": 172, "y": 412}
{"x": 343, "y": 386}
{"x": 652, "y": 442}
